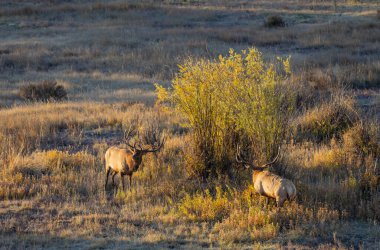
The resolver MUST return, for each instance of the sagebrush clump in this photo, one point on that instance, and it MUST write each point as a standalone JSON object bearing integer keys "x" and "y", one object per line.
{"x": 43, "y": 92}
{"x": 275, "y": 21}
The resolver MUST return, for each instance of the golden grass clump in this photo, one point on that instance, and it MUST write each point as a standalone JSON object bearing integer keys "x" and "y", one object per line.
{"x": 327, "y": 157}
{"x": 205, "y": 207}
{"x": 326, "y": 120}
{"x": 50, "y": 174}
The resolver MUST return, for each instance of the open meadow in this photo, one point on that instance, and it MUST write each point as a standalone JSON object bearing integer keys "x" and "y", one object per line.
{"x": 300, "y": 78}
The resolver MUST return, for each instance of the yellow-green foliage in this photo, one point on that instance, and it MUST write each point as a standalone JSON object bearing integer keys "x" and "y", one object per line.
{"x": 238, "y": 94}
{"x": 204, "y": 206}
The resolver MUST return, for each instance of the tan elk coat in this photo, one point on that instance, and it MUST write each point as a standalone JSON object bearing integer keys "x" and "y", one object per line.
{"x": 273, "y": 186}
{"x": 268, "y": 184}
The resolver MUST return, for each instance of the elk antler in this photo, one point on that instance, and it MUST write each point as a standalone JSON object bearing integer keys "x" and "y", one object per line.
{"x": 239, "y": 158}
{"x": 274, "y": 160}
{"x": 152, "y": 138}
{"x": 127, "y": 138}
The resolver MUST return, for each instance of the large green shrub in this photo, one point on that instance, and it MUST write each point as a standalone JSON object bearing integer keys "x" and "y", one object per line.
{"x": 236, "y": 98}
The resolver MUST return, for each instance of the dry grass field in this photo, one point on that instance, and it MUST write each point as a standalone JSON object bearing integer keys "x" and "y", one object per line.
{"x": 109, "y": 54}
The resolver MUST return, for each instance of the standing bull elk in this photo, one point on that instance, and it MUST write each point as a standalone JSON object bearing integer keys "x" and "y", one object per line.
{"x": 127, "y": 161}
{"x": 268, "y": 184}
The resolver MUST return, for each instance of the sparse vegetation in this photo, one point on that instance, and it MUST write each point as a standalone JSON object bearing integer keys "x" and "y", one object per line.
{"x": 106, "y": 55}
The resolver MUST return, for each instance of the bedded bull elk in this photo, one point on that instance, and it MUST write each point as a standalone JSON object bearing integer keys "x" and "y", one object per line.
{"x": 268, "y": 184}
{"x": 127, "y": 161}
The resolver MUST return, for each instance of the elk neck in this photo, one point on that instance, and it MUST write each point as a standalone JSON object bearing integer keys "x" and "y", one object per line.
{"x": 136, "y": 159}
{"x": 255, "y": 173}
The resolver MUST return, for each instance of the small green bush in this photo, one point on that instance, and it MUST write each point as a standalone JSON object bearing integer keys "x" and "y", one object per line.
{"x": 43, "y": 92}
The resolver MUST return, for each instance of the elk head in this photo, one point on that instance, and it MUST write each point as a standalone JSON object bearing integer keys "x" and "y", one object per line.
{"x": 248, "y": 164}
{"x": 151, "y": 141}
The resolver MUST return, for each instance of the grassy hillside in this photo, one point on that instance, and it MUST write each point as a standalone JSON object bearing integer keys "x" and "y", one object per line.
{"x": 108, "y": 54}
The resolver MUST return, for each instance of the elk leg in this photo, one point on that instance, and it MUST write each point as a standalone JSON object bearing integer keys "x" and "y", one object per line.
{"x": 280, "y": 202}
{"x": 113, "y": 178}
{"x": 107, "y": 174}
{"x": 130, "y": 182}
{"x": 122, "y": 181}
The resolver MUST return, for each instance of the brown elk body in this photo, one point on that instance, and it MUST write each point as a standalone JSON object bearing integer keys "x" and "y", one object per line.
{"x": 268, "y": 184}
{"x": 127, "y": 161}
